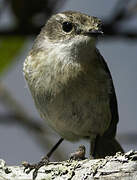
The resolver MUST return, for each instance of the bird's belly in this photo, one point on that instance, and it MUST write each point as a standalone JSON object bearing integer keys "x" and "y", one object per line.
{"x": 76, "y": 112}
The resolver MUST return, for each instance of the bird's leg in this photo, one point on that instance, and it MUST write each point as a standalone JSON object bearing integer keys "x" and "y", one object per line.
{"x": 54, "y": 147}
{"x": 92, "y": 147}
{"x": 44, "y": 161}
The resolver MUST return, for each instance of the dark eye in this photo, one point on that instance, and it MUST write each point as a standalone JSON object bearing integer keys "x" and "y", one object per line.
{"x": 67, "y": 26}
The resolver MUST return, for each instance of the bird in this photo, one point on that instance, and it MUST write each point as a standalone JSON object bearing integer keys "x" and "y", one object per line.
{"x": 71, "y": 84}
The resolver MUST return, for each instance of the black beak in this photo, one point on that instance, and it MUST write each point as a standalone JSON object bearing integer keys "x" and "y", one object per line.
{"x": 94, "y": 33}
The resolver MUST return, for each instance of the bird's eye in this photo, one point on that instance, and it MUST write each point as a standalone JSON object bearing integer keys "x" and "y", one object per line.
{"x": 67, "y": 26}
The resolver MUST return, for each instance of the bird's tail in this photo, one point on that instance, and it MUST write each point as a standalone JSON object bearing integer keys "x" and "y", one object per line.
{"x": 105, "y": 146}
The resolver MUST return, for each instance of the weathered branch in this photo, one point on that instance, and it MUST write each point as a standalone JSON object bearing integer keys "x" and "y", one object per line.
{"x": 122, "y": 167}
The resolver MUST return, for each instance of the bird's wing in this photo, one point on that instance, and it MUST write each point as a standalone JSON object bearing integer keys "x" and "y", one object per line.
{"x": 111, "y": 132}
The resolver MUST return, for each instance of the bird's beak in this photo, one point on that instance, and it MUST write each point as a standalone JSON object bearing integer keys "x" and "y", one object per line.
{"x": 93, "y": 33}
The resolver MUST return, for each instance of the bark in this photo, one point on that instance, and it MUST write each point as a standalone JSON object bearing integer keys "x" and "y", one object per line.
{"x": 120, "y": 166}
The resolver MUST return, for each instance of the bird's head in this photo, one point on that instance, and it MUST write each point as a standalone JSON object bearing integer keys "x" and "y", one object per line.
{"x": 71, "y": 27}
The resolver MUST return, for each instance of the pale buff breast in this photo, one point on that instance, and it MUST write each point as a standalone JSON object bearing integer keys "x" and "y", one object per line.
{"x": 73, "y": 100}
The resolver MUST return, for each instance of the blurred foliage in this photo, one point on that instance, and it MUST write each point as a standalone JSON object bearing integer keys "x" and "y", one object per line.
{"x": 29, "y": 17}
{"x": 26, "y": 11}
{"x": 9, "y": 48}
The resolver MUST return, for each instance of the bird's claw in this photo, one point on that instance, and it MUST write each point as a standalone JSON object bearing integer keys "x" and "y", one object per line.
{"x": 29, "y": 167}
{"x": 79, "y": 154}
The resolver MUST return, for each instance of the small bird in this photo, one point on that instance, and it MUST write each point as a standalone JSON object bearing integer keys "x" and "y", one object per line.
{"x": 71, "y": 84}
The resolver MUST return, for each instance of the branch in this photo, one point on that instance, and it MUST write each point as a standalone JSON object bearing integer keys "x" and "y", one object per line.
{"x": 122, "y": 11}
{"x": 120, "y": 166}
{"x": 119, "y": 11}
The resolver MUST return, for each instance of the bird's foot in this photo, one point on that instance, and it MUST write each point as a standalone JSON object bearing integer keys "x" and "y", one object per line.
{"x": 29, "y": 167}
{"x": 79, "y": 154}
{"x": 91, "y": 157}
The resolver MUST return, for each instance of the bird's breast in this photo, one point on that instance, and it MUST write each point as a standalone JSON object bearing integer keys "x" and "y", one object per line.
{"x": 74, "y": 99}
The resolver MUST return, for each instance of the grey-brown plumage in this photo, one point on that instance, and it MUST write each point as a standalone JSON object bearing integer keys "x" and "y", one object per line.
{"x": 71, "y": 83}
